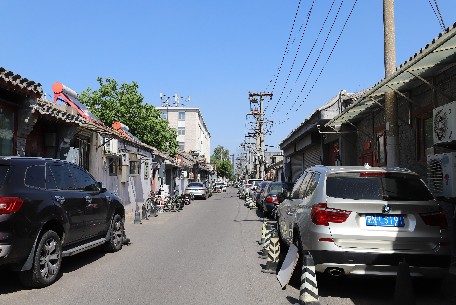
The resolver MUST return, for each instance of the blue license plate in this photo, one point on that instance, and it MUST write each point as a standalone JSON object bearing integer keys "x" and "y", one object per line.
{"x": 380, "y": 220}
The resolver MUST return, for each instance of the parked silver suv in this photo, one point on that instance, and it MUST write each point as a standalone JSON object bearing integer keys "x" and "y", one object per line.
{"x": 364, "y": 221}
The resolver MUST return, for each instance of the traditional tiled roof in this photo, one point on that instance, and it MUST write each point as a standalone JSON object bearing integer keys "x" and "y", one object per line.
{"x": 66, "y": 114}
{"x": 16, "y": 83}
{"x": 310, "y": 122}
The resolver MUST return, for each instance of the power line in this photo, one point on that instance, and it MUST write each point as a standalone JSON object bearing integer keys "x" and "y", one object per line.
{"x": 296, "y": 54}
{"x": 286, "y": 49}
{"x": 310, "y": 52}
{"x": 318, "y": 58}
{"x": 330, "y": 54}
{"x": 323, "y": 67}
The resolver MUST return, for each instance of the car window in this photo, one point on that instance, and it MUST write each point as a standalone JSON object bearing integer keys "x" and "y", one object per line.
{"x": 299, "y": 186}
{"x": 82, "y": 180}
{"x": 275, "y": 188}
{"x": 58, "y": 177}
{"x": 3, "y": 173}
{"x": 390, "y": 186}
{"x": 34, "y": 176}
{"x": 193, "y": 184}
{"x": 312, "y": 185}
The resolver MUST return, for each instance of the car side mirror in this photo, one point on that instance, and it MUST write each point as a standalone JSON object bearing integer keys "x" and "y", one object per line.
{"x": 284, "y": 194}
{"x": 102, "y": 187}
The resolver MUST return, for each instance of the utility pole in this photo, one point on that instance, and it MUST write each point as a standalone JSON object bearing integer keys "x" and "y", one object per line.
{"x": 391, "y": 121}
{"x": 258, "y": 114}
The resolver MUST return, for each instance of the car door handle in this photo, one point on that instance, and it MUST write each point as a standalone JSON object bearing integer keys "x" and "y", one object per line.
{"x": 59, "y": 199}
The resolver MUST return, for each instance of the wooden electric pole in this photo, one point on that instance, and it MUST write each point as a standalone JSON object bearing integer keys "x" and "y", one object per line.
{"x": 391, "y": 121}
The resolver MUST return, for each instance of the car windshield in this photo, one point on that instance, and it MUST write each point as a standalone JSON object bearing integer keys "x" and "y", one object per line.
{"x": 275, "y": 188}
{"x": 377, "y": 186}
{"x": 195, "y": 184}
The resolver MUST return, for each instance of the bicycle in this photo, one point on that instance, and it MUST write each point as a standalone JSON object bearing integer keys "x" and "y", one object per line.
{"x": 150, "y": 207}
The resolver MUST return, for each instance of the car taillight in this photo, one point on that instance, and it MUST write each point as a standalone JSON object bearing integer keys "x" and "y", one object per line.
{"x": 271, "y": 199}
{"x": 322, "y": 215}
{"x": 9, "y": 205}
{"x": 435, "y": 219}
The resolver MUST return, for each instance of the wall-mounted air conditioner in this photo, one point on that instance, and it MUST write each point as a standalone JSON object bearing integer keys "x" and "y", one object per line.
{"x": 442, "y": 174}
{"x": 444, "y": 123}
{"x": 111, "y": 147}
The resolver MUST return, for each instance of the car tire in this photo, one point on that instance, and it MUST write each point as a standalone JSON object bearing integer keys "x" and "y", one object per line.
{"x": 46, "y": 262}
{"x": 117, "y": 229}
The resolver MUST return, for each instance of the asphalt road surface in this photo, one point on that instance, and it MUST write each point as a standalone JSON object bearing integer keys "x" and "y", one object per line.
{"x": 204, "y": 254}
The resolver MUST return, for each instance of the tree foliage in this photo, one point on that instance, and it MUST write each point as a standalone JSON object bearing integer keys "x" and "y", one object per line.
{"x": 113, "y": 103}
{"x": 221, "y": 159}
{"x": 220, "y": 153}
{"x": 224, "y": 169}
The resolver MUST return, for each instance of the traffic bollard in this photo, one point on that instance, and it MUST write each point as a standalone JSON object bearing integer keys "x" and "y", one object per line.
{"x": 263, "y": 233}
{"x": 137, "y": 215}
{"x": 403, "y": 292}
{"x": 272, "y": 260}
{"x": 308, "y": 294}
{"x": 264, "y": 251}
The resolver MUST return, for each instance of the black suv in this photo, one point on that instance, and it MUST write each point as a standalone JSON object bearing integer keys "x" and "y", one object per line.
{"x": 50, "y": 209}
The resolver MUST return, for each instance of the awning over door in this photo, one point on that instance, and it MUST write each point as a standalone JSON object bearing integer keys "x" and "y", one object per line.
{"x": 426, "y": 63}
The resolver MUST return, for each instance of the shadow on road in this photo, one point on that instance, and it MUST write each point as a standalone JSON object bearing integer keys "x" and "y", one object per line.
{"x": 9, "y": 281}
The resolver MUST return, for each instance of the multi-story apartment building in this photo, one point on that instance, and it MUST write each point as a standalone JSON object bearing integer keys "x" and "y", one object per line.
{"x": 192, "y": 133}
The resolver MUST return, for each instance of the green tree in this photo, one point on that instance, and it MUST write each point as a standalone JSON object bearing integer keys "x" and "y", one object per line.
{"x": 113, "y": 103}
{"x": 221, "y": 159}
{"x": 224, "y": 169}
{"x": 220, "y": 153}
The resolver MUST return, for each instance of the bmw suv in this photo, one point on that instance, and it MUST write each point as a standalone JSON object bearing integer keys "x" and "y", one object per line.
{"x": 50, "y": 209}
{"x": 364, "y": 221}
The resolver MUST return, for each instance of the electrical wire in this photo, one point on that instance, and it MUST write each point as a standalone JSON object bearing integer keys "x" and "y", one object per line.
{"x": 318, "y": 58}
{"x": 323, "y": 67}
{"x": 310, "y": 53}
{"x": 440, "y": 15}
{"x": 437, "y": 13}
{"x": 286, "y": 50}
{"x": 296, "y": 55}
{"x": 330, "y": 54}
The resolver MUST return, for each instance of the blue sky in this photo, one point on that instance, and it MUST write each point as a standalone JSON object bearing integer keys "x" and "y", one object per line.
{"x": 215, "y": 51}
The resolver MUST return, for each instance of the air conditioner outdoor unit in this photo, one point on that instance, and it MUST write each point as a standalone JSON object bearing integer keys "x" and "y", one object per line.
{"x": 442, "y": 174}
{"x": 444, "y": 123}
{"x": 111, "y": 147}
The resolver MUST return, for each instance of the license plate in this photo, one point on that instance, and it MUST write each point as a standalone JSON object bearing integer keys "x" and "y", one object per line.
{"x": 380, "y": 220}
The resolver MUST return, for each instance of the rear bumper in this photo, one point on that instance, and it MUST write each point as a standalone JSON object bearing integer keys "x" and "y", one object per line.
{"x": 425, "y": 265}
{"x": 196, "y": 193}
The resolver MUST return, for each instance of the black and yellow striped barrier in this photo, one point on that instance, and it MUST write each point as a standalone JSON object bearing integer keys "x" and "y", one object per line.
{"x": 272, "y": 260}
{"x": 309, "y": 289}
{"x": 263, "y": 233}
{"x": 267, "y": 239}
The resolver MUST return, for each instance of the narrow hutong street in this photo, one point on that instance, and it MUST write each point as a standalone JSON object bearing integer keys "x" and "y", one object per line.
{"x": 208, "y": 253}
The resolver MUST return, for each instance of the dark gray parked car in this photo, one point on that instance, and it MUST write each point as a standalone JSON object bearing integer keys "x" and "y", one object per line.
{"x": 50, "y": 209}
